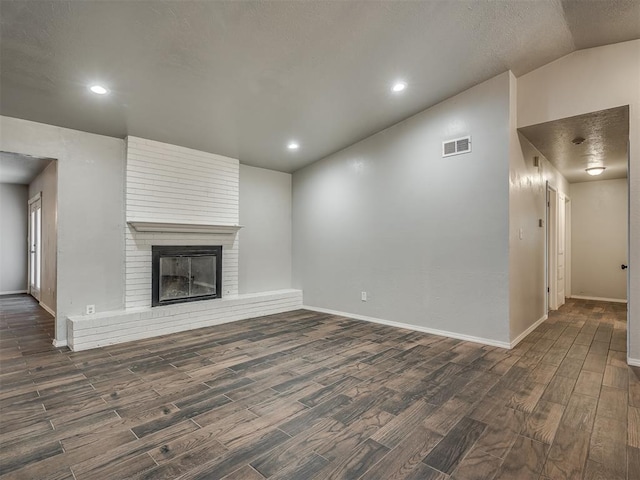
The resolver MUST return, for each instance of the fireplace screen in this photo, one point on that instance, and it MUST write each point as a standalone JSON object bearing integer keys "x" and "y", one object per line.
{"x": 185, "y": 274}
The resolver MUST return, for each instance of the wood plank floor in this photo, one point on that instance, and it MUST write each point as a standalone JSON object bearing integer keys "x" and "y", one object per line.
{"x": 304, "y": 395}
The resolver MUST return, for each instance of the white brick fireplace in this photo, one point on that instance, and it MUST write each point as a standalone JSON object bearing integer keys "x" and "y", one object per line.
{"x": 194, "y": 193}
{"x": 177, "y": 196}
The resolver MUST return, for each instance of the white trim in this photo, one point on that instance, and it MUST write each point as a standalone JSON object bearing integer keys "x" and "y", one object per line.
{"x": 522, "y": 336}
{"x": 31, "y": 290}
{"x": 634, "y": 362}
{"x": 48, "y": 309}
{"x": 59, "y": 343}
{"x": 180, "y": 227}
{"x": 13, "y": 292}
{"x": 553, "y": 196}
{"x": 35, "y": 198}
{"x": 599, "y": 299}
{"x": 417, "y": 328}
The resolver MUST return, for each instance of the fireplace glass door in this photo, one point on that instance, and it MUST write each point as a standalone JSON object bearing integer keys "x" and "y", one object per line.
{"x": 183, "y": 274}
{"x": 184, "y": 277}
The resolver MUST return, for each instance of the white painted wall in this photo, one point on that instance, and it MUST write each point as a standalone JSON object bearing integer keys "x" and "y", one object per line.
{"x": 47, "y": 185}
{"x": 265, "y": 212}
{"x": 599, "y": 240}
{"x": 171, "y": 183}
{"x": 425, "y": 236}
{"x": 13, "y": 238}
{"x": 586, "y": 81}
{"x": 90, "y": 212}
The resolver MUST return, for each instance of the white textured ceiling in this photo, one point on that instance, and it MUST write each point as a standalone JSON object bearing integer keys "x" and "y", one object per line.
{"x": 22, "y": 169}
{"x": 606, "y": 138}
{"x": 242, "y": 78}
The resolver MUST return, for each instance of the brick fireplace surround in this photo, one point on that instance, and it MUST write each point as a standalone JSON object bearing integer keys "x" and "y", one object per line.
{"x": 177, "y": 196}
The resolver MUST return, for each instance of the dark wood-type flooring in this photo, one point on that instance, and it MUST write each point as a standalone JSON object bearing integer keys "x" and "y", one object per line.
{"x": 304, "y": 395}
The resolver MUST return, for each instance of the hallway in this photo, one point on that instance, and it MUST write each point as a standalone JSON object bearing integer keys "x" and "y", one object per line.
{"x": 308, "y": 395}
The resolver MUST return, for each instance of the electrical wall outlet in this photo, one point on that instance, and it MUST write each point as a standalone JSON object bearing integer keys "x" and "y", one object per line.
{"x": 90, "y": 309}
{"x": 363, "y": 296}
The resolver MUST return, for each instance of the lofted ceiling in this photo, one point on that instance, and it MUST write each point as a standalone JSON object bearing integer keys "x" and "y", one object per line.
{"x": 244, "y": 78}
{"x": 605, "y": 137}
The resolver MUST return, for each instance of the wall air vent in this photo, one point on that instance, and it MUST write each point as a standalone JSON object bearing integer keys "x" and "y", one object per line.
{"x": 456, "y": 146}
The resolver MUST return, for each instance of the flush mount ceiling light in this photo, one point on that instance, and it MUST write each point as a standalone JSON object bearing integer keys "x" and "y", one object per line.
{"x": 98, "y": 89}
{"x": 594, "y": 170}
{"x": 293, "y": 146}
{"x": 398, "y": 87}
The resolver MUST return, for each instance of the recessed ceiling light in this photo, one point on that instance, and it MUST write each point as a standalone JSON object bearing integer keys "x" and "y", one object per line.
{"x": 293, "y": 146}
{"x": 99, "y": 89}
{"x": 398, "y": 87}
{"x": 577, "y": 140}
{"x": 595, "y": 170}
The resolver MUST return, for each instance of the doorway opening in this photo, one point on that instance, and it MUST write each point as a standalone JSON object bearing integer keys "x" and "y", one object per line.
{"x": 587, "y": 223}
{"x": 29, "y": 188}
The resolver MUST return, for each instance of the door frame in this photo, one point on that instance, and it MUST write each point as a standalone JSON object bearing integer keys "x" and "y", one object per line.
{"x": 551, "y": 247}
{"x": 561, "y": 249}
{"x": 567, "y": 246}
{"x": 36, "y": 198}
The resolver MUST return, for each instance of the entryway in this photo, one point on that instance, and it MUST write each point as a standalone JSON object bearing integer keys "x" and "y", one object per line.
{"x": 28, "y": 257}
{"x": 587, "y": 221}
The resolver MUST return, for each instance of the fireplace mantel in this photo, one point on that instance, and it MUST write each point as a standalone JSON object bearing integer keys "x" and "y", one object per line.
{"x": 176, "y": 227}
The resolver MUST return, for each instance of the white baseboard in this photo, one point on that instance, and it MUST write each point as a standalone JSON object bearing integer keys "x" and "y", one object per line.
{"x": 59, "y": 343}
{"x": 13, "y": 292}
{"x": 634, "y": 362}
{"x": 522, "y": 336}
{"x": 48, "y": 309}
{"x": 417, "y": 328}
{"x": 599, "y": 299}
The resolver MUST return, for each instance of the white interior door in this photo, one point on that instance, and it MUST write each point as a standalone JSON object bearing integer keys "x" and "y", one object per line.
{"x": 561, "y": 263}
{"x": 35, "y": 246}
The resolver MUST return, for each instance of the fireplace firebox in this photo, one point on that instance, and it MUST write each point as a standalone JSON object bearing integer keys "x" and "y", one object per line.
{"x": 185, "y": 274}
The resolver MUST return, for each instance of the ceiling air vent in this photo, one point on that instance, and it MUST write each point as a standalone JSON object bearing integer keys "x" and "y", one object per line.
{"x": 456, "y": 146}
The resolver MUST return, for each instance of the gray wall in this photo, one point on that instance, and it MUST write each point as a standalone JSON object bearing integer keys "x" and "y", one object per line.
{"x": 425, "y": 236}
{"x": 47, "y": 184}
{"x": 599, "y": 238}
{"x": 90, "y": 212}
{"x": 13, "y": 237}
{"x": 265, "y": 240}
